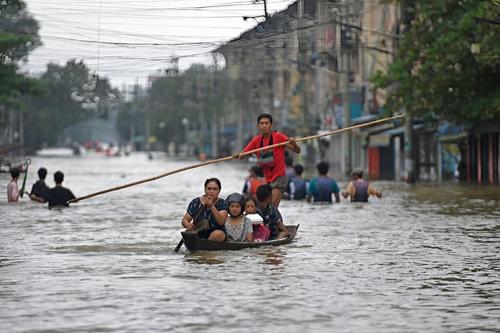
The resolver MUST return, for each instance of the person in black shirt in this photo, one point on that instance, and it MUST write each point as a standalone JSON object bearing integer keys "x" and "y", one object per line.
{"x": 40, "y": 191}
{"x": 59, "y": 195}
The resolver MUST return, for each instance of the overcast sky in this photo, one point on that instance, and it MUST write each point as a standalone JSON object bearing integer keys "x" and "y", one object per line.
{"x": 138, "y": 37}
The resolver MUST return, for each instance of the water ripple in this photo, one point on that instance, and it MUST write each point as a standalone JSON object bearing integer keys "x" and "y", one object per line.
{"x": 424, "y": 258}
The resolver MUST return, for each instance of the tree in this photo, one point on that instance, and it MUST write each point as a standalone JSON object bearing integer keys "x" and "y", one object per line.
{"x": 18, "y": 37}
{"x": 73, "y": 94}
{"x": 198, "y": 95}
{"x": 438, "y": 73}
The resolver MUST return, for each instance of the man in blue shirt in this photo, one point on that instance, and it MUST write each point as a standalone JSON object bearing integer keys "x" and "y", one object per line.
{"x": 322, "y": 187}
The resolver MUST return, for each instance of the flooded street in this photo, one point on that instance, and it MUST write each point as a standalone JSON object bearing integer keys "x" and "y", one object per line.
{"x": 424, "y": 258}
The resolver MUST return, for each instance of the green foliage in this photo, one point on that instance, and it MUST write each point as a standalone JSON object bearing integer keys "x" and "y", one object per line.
{"x": 436, "y": 74}
{"x": 198, "y": 95}
{"x": 4, "y": 4}
{"x": 18, "y": 37}
{"x": 72, "y": 94}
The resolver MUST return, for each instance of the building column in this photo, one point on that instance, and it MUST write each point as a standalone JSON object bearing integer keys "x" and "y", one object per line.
{"x": 439, "y": 161}
{"x": 397, "y": 158}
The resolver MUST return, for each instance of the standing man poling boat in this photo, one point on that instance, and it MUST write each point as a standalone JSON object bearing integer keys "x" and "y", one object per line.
{"x": 272, "y": 161}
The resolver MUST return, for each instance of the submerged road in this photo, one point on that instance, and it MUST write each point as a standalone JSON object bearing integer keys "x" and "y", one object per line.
{"x": 424, "y": 258}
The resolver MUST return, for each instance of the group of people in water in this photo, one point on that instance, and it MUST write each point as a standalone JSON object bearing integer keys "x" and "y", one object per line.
{"x": 251, "y": 216}
{"x": 57, "y": 196}
{"x": 233, "y": 219}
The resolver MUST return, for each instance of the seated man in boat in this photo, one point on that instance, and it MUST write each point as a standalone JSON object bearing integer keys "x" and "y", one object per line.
{"x": 40, "y": 190}
{"x": 58, "y": 195}
{"x": 270, "y": 215}
{"x": 207, "y": 214}
{"x": 12, "y": 188}
{"x": 322, "y": 188}
{"x": 238, "y": 227}
{"x": 359, "y": 189}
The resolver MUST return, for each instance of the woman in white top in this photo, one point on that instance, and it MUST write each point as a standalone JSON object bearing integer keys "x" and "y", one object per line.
{"x": 238, "y": 228}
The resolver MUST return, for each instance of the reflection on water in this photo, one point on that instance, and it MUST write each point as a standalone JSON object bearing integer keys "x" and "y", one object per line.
{"x": 204, "y": 257}
{"x": 274, "y": 258}
{"x": 424, "y": 258}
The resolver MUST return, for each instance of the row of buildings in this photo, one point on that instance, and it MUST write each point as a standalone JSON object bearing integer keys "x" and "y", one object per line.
{"x": 310, "y": 65}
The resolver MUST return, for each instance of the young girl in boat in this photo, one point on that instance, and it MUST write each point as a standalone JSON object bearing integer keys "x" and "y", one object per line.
{"x": 238, "y": 227}
{"x": 250, "y": 206}
{"x": 260, "y": 232}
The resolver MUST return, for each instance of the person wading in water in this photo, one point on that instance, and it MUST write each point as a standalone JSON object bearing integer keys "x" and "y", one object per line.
{"x": 359, "y": 189}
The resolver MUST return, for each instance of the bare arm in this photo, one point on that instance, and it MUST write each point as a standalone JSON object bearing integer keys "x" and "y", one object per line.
{"x": 187, "y": 221}
{"x": 283, "y": 231}
{"x": 337, "y": 197}
{"x": 37, "y": 198}
{"x": 249, "y": 235}
{"x": 373, "y": 191}
{"x": 349, "y": 191}
{"x": 292, "y": 145}
{"x": 220, "y": 216}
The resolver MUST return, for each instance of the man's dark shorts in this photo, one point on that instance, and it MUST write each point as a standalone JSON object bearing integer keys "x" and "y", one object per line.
{"x": 280, "y": 183}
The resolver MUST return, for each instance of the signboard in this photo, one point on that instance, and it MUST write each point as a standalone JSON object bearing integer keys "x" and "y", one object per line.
{"x": 381, "y": 140}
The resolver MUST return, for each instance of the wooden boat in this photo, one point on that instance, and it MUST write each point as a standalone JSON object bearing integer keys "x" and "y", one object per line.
{"x": 193, "y": 243}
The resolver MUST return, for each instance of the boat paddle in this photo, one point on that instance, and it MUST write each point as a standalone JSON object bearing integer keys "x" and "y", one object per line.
{"x": 235, "y": 156}
{"x": 27, "y": 163}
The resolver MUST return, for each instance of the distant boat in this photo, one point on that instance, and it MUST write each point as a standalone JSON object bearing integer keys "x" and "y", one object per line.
{"x": 55, "y": 152}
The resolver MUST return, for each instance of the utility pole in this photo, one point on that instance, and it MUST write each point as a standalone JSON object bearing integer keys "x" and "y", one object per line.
{"x": 215, "y": 143}
{"x": 410, "y": 174}
{"x": 345, "y": 49}
{"x": 266, "y": 14}
{"x": 147, "y": 124}
{"x": 134, "y": 113}
{"x": 303, "y": 63}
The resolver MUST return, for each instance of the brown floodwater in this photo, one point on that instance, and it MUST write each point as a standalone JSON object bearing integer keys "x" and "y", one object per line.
{"x": 423, "y": 258}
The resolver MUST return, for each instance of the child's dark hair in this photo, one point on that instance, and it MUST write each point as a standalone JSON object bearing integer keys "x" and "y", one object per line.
{"x": 257, "y": 170}
{"x": 215, "y": 180}
{"x": 264, "y": 192}
{"x": 15, "y": 172}
{"x": 298, "y": 169}
{"x": 42, "y": 173}
{"x": 322, "y": 167}
{"x": 250, "y": 199}
{"x": 58, "y": 177}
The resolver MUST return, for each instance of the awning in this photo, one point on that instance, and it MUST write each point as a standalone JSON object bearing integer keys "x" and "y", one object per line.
{"x": 383, "y": 139}
{"x": 448, "y": 132}
{"x": 364, "y": 119}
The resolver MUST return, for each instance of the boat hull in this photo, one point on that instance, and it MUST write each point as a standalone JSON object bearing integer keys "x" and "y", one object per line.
{"x": 193, "y": 243}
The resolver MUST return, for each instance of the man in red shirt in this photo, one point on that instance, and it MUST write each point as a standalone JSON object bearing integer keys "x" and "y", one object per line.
{"x": 272, "y": 161}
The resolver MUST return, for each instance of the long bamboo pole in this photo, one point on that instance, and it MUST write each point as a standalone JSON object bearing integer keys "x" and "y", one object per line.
{"x": 227, "y": 158}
